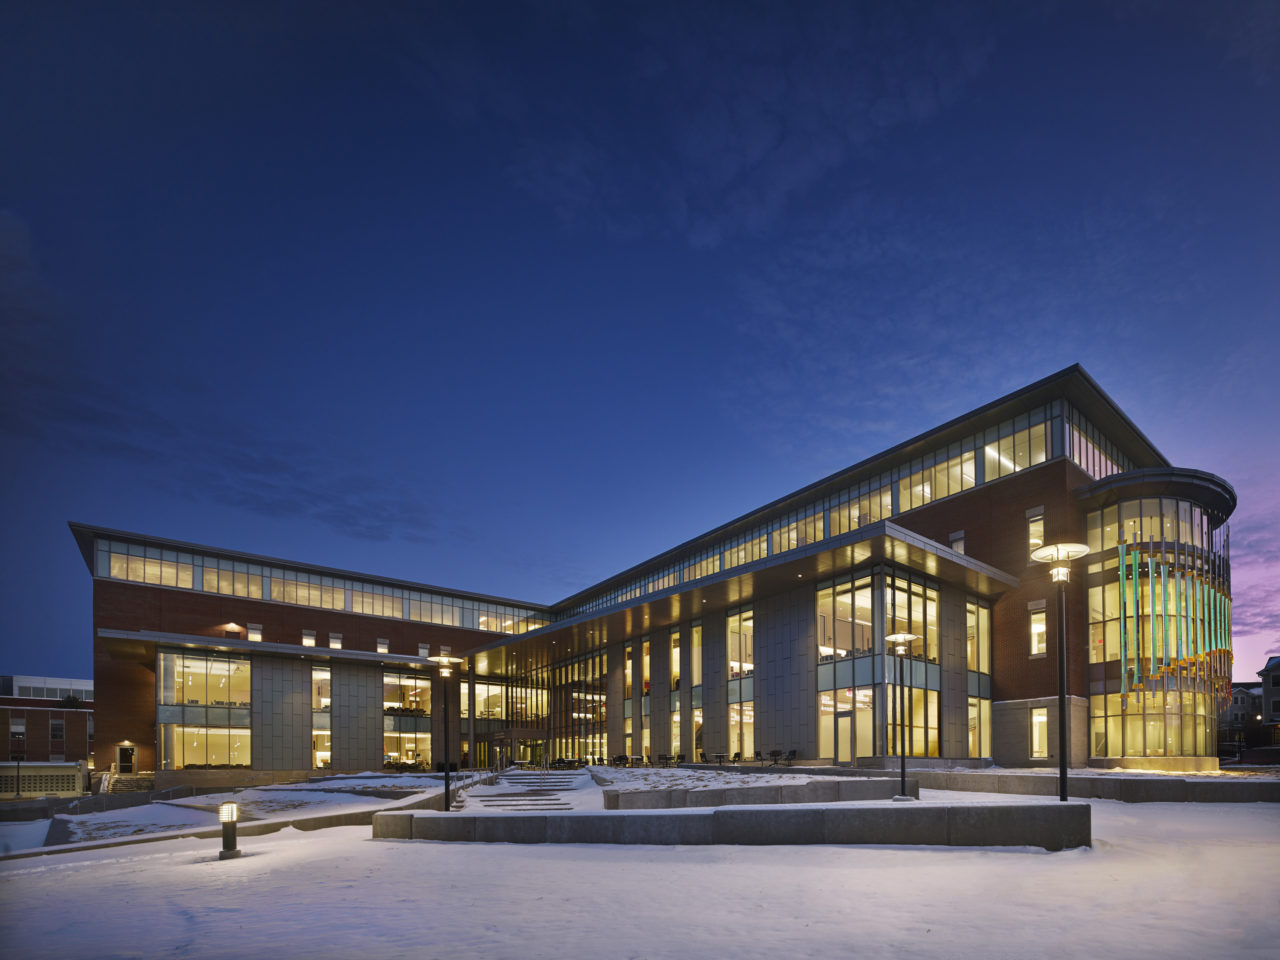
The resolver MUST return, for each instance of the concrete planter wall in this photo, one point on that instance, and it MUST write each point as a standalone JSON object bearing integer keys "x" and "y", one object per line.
{"x": 818, "y": 791}
{"x": 1053, "y": 826}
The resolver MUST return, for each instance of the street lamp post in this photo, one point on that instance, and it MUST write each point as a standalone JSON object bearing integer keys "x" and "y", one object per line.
{"x": 445, "y": 663}
{"x": 1059, "y": 556}
{"x": 901, "y": 643}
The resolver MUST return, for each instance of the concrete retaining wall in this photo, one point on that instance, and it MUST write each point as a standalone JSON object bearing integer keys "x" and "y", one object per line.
{"x": 1054, "y": 826}
{"x": 818, "y": 791}
{"x": 1127, "y": 789}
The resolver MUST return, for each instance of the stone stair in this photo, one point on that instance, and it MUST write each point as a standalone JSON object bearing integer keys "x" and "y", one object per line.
{"x": 131, "y": 783}
{"x": 529, "y": 790}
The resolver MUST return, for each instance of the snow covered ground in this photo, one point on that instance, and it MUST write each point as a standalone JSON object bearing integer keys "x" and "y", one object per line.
{"x": 1163, "y": 881}
{"x": 626, "y": 779}
{"x": 332, "y": 795}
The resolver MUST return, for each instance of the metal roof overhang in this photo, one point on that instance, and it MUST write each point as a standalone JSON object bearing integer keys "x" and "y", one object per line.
{"x": 884, "y": 541}
{"x": 140, "y": 645}
{"x": 1208, "y": 490}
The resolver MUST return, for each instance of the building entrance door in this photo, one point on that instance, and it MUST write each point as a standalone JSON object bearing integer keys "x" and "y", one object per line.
{"x": 124, "y": 759}
{"x": 844, "y": 737}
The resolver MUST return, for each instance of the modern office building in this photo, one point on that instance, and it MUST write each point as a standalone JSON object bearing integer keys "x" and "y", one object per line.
{"x": 1269, "y": 698}
{"x": 46, "y": 719}
{"x": 765, "y": 633}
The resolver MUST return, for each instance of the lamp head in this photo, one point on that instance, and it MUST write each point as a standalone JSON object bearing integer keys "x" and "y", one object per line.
{"x": 901, "y": 642}
{"x": 228, "y": 812}
{"x": 445, "y": 663}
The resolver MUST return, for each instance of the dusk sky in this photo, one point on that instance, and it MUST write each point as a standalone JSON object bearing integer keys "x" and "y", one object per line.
{"x": 508, "y": 297}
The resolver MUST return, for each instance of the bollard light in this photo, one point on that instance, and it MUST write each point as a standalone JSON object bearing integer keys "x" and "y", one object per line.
{"x": 228, "y": 815}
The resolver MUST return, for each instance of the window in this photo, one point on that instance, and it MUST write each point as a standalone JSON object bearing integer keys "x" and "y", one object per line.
{"x": 937, "y": 480}
{"x": 978, "y": 638}
{"x": 57, "y": 730}
{"x": 979, "y": 727}
{"x": 335, "y": 641}
{"x": 626, "y": 673}
{"x": 1275, "y": 707}
{"x": 90, "y": 723}
{"x": 957, "y": 541}
{"x": 18, "y": 728}
{"x": 675, "y": 658}
{"x": 383, "y": 646}
{"x": 1037, "y": 630}
{"x": 308, "y": 638}
{"x": 406, "y": 709}
{"x": 695, "y": 653}
{"x": 1014, "y": 451}
{"x": 909, "y": 607}
{"x": 202, "y": 711}
{"x": 1275, "y": 679}
{"x": 1039, "y": 733}
{"x": 424, "y": 650}
{"x": 644, "y": 668}
{"x": 740, "y": 628}
{"x": 255, "y": 632}
{"x": 1035, "y": 530}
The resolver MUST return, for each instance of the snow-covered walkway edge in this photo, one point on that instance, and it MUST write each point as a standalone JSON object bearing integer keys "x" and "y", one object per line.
{"x": 327, "y": 802}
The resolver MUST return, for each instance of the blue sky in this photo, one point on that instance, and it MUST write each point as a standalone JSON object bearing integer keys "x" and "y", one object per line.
{"x": 509, "y": 297}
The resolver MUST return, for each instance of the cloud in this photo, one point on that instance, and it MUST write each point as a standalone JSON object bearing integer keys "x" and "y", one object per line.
{"x": 681, "y": 120}
{"x": 57, "y": 399}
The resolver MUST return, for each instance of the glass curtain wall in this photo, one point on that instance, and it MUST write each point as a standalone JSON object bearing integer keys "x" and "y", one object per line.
{"x": 578, "y": 717}
{"x": 740, "y": 632}
{"x": 978, "y": 659}
{"x": 202, "y": 711}
{"x": 674, "y": 655}
{"x": 321, "y": 717}
{"x": 406, "y": 720}
{"x": 846, "y": 694}
{"x": 857, "y": 707}
{"x": 1159, "y": 602}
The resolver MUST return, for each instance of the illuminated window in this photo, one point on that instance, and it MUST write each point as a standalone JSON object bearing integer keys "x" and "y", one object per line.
{"x": 1039, "y": 733}
{"x": 308, "y": 638}
{"x": 1035, "y": 530}
{"x": 335, "y": 641}
{"x": 978, "y": 638}
{"x": 1014, "y": 451}
{"x": 1036, "y": 627}
{"x": 255, "y": 632}
{"x": 957, "y": 541}
{"x": 740, "y": 629}
{"x": 383, "y": 646}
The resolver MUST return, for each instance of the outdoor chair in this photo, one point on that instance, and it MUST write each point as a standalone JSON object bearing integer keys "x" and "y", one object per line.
{"x": 791, "y": 755}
